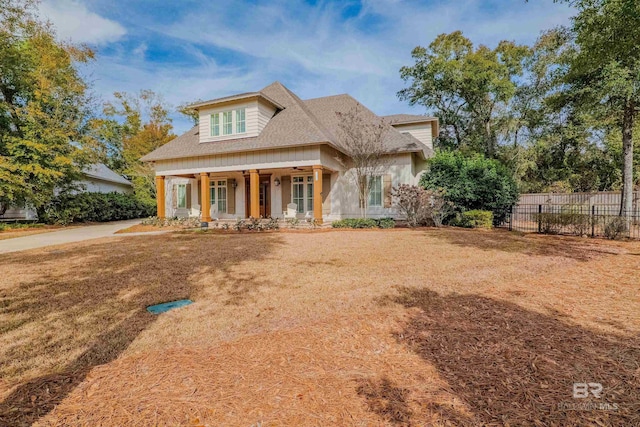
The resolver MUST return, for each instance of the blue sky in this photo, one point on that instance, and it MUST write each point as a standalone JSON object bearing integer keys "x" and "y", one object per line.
{"x": 187, "y": 50}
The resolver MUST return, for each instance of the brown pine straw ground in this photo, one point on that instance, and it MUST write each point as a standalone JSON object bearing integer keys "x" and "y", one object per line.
{"x": 398, "y": 327}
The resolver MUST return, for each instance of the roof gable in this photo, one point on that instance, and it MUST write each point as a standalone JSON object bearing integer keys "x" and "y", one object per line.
{"x": 295, "y": 123}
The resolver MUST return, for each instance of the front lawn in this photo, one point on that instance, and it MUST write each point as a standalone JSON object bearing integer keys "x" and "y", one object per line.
{"x": 384, "y": 327}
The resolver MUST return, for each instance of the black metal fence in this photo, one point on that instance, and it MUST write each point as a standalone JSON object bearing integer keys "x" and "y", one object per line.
{"x": 579, "y": 220}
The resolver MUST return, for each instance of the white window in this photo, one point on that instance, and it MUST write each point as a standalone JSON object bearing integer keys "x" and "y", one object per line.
{"x": 240, "y": 121}
{"x": 218, "y": 194}
{"x": 303, "y": 193}
{"x": 215, "y": 124}
{"x": 227, "y": 124}
{"x": 375, "y": 191}
{"x": 182, "y": 196}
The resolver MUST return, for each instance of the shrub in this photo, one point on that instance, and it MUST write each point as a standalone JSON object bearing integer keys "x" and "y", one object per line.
{"x": 355, "y": 223}
{"x": 472, "y": 183}
{"x": 422, "y": 207}
{"x": 615, "y": 227}
{"x": 475, "y": 219}
{"x": 386, "y": 223}
{"x": 364, "y": 223}
{"x": 94, "y": 207}
{"x": 569, "y": 216}
{"x": 190, "y": 222}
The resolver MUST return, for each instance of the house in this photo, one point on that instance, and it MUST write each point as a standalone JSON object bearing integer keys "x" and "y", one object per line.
{"x": 259, "y": 154}
{"x": 96, "y": 178}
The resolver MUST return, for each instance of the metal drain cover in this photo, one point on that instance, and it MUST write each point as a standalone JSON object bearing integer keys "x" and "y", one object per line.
{"x": 166, "y": 306}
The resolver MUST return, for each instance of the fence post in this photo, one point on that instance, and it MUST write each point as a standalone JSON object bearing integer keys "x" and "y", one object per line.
{"x": 539, "y": 218}
{"x": 593, "y": 220}
{"x": 511, "y": 218}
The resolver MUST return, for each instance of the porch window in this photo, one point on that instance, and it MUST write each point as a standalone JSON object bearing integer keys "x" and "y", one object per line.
{"x": 303, "y": 193}
{"x": 215, "y": 124}
{"x": 375, "y": 191}
{"x": 218, "y": 194}
{"x": 240, "y": 121}
{"x": 227, "y": 125}
{"x": 182, "y": 196}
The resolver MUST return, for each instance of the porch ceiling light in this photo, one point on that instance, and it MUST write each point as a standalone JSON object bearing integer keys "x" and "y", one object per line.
{"x": 277, "y": 182}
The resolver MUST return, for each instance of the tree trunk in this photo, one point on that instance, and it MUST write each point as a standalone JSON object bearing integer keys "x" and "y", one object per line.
{"x": 626, "y": 204}
{"x": 490, "y": 150}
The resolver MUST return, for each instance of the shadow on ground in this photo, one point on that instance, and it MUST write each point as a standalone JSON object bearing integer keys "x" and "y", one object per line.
{"x": 387, "y": 400}
{"x": 580, "y": 249}
{"x": 511, "y": 366}
{"x": 91, "y": 300}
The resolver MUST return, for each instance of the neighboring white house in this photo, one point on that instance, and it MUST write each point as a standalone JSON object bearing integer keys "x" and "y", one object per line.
{"x": 96, "y": 179}
{"x": 259, "y": 153}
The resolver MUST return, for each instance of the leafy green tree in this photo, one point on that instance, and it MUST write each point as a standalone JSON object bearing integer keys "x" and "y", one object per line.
{"x": 44, "y": 108}
{"x": 472, "y": 182}
{"x": 185, "y": 109}
{"x": 603, "y": 72}
{"x": 468, "y": 88}
{"x": 133, "y": 126}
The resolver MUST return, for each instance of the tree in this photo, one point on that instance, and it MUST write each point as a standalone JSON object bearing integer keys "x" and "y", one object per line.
{"x": 44, "y": 109}
{"x": 467, "y": 88}
{"x": 186, "y": 110}
{"x": 472, "y": 182}
{"x": 361, "y": 135}
{"x": 603, "y": 72}
{"x": 131, "y": 127}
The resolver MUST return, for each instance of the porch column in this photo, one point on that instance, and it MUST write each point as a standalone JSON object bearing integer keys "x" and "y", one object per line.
{"x": 160, "y": 196}
{"x": 317, "y": 193}
{"x": 254, "y": 196}
{"x": 205, "y": 197}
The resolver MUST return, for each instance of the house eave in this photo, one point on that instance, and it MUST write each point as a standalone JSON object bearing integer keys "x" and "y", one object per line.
{"x": 221, "y": 102}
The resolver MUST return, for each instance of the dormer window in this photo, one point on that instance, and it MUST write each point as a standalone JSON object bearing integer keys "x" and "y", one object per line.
{"x": 231, "y": 120}
{"x": 215, "y": 124}
{"x": 240, "y": 121}
{"x": 227, "y": 125}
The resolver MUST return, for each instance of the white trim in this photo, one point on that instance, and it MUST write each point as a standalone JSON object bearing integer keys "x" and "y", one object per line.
{"x": 238, "y": 168}
{"x": 213, "y": 183}
{"x": 381, "y": 192}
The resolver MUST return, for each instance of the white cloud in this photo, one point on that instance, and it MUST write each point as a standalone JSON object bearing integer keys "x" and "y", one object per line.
{"x": 73, "y": 21}
{"x": 313, "y": 50}
{"x": 321, "y": 54}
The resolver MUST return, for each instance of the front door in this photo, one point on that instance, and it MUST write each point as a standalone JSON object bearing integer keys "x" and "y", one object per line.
{"x": 264, "y": 196}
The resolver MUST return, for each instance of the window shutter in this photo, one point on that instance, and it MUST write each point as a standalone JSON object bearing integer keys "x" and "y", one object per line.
{"x": 200, "y": 194}
{"x": 174, "y": 196}
{"x": 188, "y": 190}
{"x": 326, "y": 189}
{"x": 285, "y": 184}
{"x": 386, "y": 186}
{"x": 231, "y": 197}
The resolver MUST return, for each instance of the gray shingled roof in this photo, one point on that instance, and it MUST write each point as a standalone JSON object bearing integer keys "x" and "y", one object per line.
{"x": 400, "y": 119}
{"x": 103, "y": 173}
{"x": 298, "y": 123}
{"x": 238, "y": 97}
{"x": 325, "y": 110}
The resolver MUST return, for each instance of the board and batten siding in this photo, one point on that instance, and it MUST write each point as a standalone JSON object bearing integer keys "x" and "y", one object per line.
{"x": 261, "y": 159}
{"x": 421, "y": 132}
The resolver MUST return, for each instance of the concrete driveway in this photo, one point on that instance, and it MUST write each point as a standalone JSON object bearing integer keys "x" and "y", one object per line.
{"x": 71, "y": 235}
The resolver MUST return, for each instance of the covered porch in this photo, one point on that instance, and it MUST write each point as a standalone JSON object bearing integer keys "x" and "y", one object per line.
{"x": 302, "y": 192}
